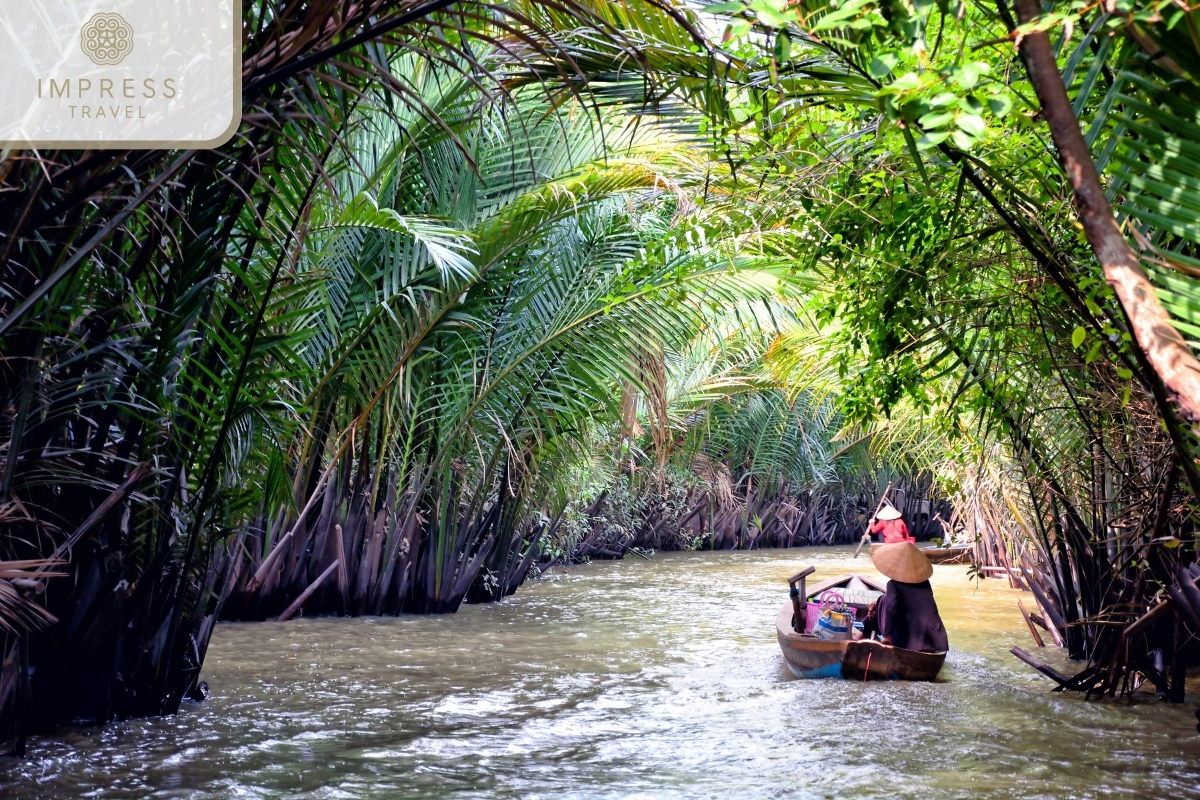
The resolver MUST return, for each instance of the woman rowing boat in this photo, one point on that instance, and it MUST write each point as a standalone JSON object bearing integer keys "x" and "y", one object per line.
{"x": 890, "y": 526}
{"x": 907, "y": 615}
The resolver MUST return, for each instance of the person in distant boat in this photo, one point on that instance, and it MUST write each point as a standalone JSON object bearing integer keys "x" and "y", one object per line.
{"x": 890, "y": 526}
{"x": 907, "y": 615}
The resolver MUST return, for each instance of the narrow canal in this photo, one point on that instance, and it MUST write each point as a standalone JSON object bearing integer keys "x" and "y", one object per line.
{"x": 657, "y": 678}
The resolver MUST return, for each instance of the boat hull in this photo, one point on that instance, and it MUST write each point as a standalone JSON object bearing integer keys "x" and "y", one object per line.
{"x": 870, "y": 660}
{"x": 807, "y": 656}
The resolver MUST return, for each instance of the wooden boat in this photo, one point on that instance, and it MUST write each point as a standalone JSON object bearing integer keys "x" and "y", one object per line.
{"x": 810, "y": 657}
{"x": 939, "y": 555}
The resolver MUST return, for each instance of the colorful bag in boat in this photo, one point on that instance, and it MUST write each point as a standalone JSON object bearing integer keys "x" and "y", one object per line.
{"x": 836, "y": 619}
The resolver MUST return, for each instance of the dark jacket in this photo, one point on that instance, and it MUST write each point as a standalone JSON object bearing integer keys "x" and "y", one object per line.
{"x": 910, "y": 616}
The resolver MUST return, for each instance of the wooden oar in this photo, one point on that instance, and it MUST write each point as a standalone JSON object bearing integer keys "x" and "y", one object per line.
{"x": 799, "y": 599}
{"x": 867, "y": 533}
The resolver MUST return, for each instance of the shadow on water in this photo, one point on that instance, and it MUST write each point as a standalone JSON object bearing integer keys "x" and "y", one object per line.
{"x": 621, "y": 679}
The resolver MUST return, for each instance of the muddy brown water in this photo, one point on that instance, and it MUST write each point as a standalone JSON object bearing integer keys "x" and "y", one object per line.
{"x": 630, "y": 679}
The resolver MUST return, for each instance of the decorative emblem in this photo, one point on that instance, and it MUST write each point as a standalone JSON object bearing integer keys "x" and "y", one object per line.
{"x": 106, "y": 39}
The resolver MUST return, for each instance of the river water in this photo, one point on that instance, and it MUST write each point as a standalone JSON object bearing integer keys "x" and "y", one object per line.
{"x": 657, "y": 678}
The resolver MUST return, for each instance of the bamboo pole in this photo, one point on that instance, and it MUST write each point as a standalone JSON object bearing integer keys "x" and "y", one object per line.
{"x": 1037, "y": 637}
{"x": 1045, "y": 669}
{"x": 261, "y": 575}
{"x": 867, "y": 533}
{"x": 291, "y": 610}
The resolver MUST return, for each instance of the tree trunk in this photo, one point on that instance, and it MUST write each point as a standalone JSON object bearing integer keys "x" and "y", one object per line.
{"x": 1165, "y": 349}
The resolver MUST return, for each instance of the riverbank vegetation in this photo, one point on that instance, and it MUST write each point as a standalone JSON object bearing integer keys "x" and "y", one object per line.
{"x": 479, "y": 287}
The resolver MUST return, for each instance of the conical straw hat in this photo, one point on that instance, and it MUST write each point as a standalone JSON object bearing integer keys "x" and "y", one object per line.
{"x": 888, "y": 512}
{"x": 902, "y": 562}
